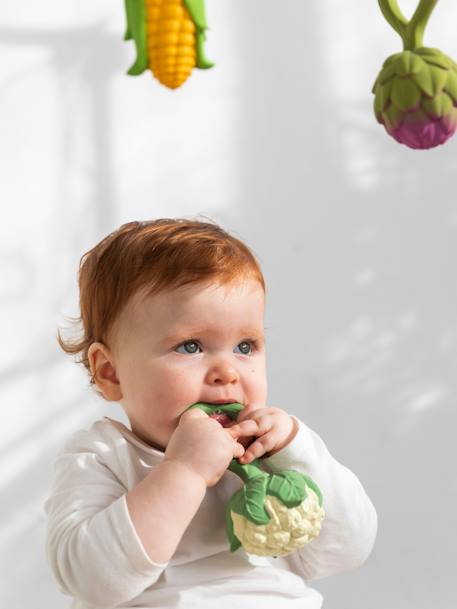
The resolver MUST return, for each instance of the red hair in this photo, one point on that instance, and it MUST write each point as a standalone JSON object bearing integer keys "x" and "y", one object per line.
{"x": 151, "y": 256}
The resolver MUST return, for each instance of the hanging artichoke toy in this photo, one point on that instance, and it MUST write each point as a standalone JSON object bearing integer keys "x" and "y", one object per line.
{"x": 416, "y": 90}
{"x": 272, "y": 514}
{"x": 168, "y": 36}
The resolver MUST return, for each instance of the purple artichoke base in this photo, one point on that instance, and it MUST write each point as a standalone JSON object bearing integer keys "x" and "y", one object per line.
{"x": 420, "y": 134}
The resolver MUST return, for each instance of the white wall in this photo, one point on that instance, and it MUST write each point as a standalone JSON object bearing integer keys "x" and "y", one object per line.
{"x": 278, "y": 143}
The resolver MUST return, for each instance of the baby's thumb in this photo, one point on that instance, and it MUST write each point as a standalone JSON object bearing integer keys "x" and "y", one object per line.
{"x": 238, "y": 450}
{"x": 193, "y": 413}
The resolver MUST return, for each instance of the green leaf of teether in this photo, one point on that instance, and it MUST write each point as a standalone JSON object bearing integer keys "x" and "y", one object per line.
{"x": 236, "y": 504}
{"x": 254, "y": 492}
{"x": 288, "y": 486}
{"x": 313, "y": 486}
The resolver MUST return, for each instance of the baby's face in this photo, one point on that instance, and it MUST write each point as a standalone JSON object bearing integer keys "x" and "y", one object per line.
{"x": 192, "y": 344}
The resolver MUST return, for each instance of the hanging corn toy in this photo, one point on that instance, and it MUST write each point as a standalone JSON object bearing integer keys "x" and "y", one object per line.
{"x": 272, "y": 514}
{"x": 168, "y": 36}
{"x": 416, "y": 90}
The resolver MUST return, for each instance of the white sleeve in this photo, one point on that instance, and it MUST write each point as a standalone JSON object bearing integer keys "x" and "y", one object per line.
{"x": 91, "y": 543}
{"x": 350, "y": 525}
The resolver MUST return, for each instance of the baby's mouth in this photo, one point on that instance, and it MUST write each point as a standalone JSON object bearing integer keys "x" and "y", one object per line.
{"x": 225, "y": 414}
{"x": 223, "y": 419}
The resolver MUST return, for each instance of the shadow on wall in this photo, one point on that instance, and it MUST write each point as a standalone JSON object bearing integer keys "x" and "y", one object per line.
{"x": 358, "y": 238}
{"x": 83, "y": 62}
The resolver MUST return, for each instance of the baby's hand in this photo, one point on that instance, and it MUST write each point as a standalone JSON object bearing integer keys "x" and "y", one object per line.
{"x": 275, "y": 430}
{"x": 203, "y": 446}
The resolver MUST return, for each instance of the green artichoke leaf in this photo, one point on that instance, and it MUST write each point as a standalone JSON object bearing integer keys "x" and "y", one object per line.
{"x": 392, "y": 117}
{"x": 377, "y": 109}
{"x": 446, "y": 104}
{"x": 405, "y": 94}
{"x": 409, "y": 63}
{"x": 435, "y": 57}
{"x": 428, "y": 51}
{"x": 439, "y": 78}
{"x": 287, "y": 486}
{"x": 425, "y": 81}
{"x": 451, "y": 85}
{"x": 236, "y": 505}
{"x": 450, "y": 120}
{"x": 391, "y": 59}
{"x": 375, "y": 85}
{"x": 384, "y": 95}
{"x": 438, "y": 106}
{"x": 386, "y": 74}
{"x": 439, "y": 62}
{"x": 254, "y": 493}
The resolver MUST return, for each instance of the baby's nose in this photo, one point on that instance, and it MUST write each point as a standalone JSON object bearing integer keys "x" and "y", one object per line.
{"x": 221, "y": 374}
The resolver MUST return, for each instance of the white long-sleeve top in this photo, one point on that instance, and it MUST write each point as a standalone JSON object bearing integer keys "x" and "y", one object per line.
{"x": 98, "y": 559}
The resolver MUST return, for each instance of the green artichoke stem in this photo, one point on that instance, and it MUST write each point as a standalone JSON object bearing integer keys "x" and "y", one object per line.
{"x": 412, "y": 31}
{"x": 394, "y": 16}
{"x": 248, "y": 471}
{"x": 416, "y": 26}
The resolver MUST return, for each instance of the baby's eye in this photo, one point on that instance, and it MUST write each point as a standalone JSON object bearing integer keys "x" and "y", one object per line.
{"x": 189, "y": 347}
{"x": 245, "y": 347}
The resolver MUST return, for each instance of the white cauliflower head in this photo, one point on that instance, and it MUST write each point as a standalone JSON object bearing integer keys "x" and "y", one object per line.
{"x": 273, "y": 514}
{"x": 288, "y": 529}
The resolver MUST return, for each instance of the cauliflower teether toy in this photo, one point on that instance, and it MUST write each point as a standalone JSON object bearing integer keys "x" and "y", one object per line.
{"x": 273, "y": 514}
{"x": 416, "y": 90}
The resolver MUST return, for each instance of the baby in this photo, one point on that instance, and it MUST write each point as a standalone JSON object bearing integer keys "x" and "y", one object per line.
{"x": 172, "y": 314}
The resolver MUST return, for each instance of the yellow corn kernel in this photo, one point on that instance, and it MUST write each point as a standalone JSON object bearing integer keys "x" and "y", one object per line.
{"x": 171, "y": 41}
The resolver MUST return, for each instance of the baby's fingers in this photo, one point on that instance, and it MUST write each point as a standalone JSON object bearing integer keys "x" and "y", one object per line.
{"x": 238, "y": 450}
{"x": 245, "y": 428}
{"x": 258, "y": 448}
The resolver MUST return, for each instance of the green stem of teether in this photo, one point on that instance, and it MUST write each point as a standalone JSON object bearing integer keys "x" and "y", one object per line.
{"x": 412, "y": 31}
{"x": 248, "y": 471}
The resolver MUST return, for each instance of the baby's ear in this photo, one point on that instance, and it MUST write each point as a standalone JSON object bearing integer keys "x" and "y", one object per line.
{"x": 103, "y": 370}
